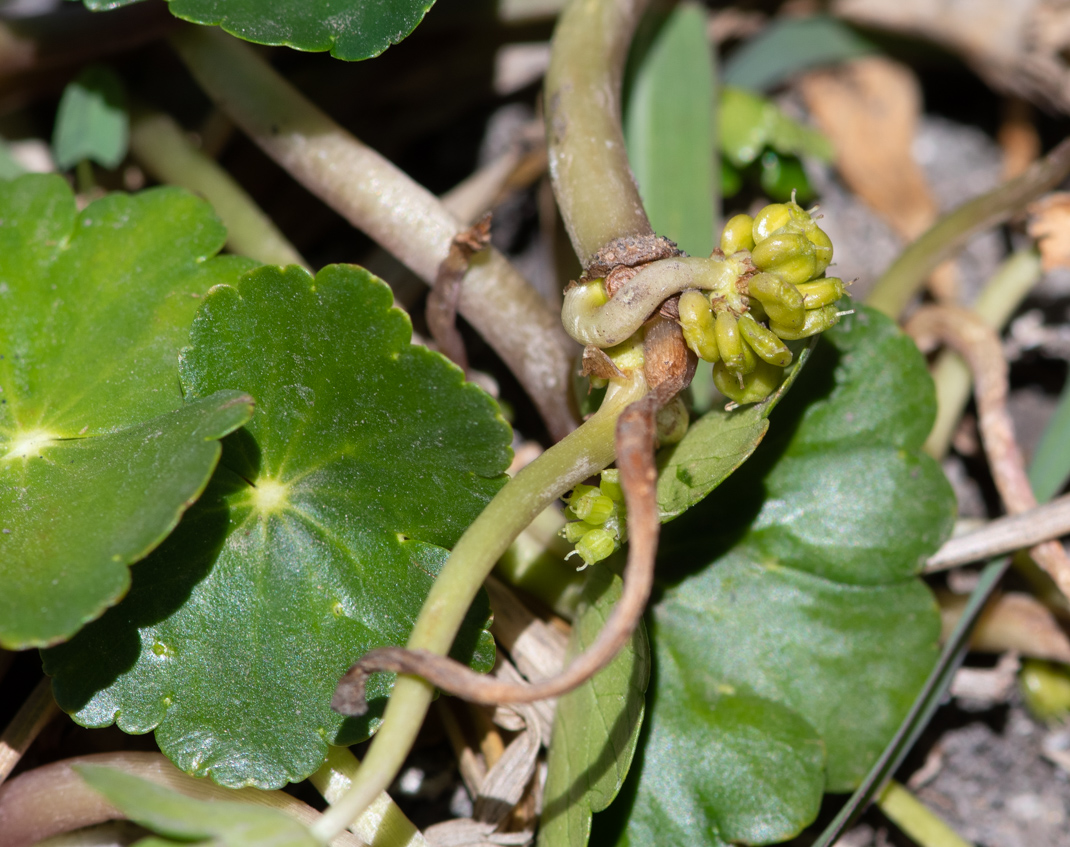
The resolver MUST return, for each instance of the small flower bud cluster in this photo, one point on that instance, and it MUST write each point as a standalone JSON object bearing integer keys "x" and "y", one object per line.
{"x": 597, "y": 518}
{"x": 742, "y": 329}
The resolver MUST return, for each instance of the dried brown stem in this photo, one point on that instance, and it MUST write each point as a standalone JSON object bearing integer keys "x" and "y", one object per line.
{"x": 1015, "y": 532}
{"x": 979, "y": 345}
{"x": 668, "y": 368}
{"x": 27, "y": 724}
{"x": 445, "y": 293}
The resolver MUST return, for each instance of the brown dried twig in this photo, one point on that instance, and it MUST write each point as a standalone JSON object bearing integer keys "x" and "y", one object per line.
{"x": 668, "y": 368}
{"x": 445, "y": 293}
{"x": 979, "y": 345}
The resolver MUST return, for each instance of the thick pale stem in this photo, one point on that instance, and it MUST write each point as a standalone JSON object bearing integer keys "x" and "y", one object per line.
{"x": 595, "y": 188}
{"x": 584, "y": 452}
{"x": 379, "y": 199}
{"x": 163, "y": 149}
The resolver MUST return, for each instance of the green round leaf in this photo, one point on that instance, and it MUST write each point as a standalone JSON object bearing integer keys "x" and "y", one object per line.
{"x": 97, "y": 456}
{"x": 806, "y": 605}
{"x": 350, "y": 29}
{"x": 318, "y": 539}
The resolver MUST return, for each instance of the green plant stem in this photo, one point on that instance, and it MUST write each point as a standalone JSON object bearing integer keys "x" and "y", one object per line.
{"x": 916, "y": 819}
{"x": 27, "y": 724}
{"x": 1002, "y": 294}
{"x": 375, "y": 196}
{"x": 583, "y": 453}
{"x": 946, "y": 237}
{"x": 165, "y": 151}
{"x": 382, "y": 823}
{"x": 595, "y": 189}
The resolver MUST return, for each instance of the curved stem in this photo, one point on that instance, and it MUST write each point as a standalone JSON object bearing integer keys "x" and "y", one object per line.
{"x": 946, "y": 237}
{"x": 164, "y": 150}
{"x": 592, "y": 319}
{"x": 595, "y": 188}
{"x": 375, "y": 196}
{"x": 584, "y": 452}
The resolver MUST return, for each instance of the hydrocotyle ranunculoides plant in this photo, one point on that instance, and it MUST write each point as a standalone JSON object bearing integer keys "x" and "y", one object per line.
{"x": 320, "y": 534}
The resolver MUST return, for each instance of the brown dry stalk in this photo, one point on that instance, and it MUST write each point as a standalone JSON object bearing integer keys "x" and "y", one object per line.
{"x": 979, "y": 345}
{"x": 27, "y": 724}
{"x": 445, "y": 293}
{"x": 668, "y": 368}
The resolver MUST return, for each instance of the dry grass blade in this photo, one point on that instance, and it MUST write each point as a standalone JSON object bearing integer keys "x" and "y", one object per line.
{"x": 979, "y": 345}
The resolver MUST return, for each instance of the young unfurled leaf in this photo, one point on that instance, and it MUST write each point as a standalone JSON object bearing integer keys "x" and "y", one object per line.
{"x": 98, "y": 455}
{"x": 92, "y": 121}
{"x": 789, "y": 643}
{"x": 317, "y": 540}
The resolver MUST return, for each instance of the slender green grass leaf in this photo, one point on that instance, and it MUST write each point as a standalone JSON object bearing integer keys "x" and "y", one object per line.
{"x": 596, "y": 726}
{"x": 317, "y": 540}
{"x": 1050, "y": 467}
{"x": 669, "y": 127}
{"x": 92, "y": 121}
{"x": 172, "y": 814}
{"x": 791, "y": 45}
{"x": 98, "y": 456}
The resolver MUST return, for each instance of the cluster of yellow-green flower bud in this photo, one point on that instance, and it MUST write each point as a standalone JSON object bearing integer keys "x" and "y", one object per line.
{"x": 742, "y": 328}
{"x": 596, "y": 518}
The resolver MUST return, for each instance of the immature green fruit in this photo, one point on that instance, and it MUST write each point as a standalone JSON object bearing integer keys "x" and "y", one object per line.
{"x": 764, "y": 342}
{"x": 596, "y": 545}
{"x": 781, "y": 300}
{"x": 770, "y": 219}
{"x": 609, "y": 485}
{"x": 696, "y": 321}
{"x": 822, "y": 247}
{"x": 730, "y": 344}
{"x": 817, "y": 320}
{"x": 750, "y": 388}
{"x": 1046, "y": 689}
{"x": 672, "y": 421}
{"x": 591, "y": 506}
{"x": 737, "y": 235}
{"x": 790, "y": 255}
{"x": 821, "y": 292}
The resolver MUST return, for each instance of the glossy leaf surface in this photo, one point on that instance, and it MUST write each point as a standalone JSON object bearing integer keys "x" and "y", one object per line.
{"x": 350, "y": 29}
{"x": 596, "y": 726}
{"x": 317, "y": 540}
{"x": 98, "y": 458}
{"x": 176, "y": 816}
{"x": 789, "y": 645}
